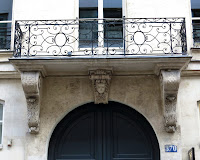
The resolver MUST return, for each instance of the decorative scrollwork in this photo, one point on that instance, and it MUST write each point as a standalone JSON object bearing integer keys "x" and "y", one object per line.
{"x": 18, "y": 40}
{"x": 93, "y": 37}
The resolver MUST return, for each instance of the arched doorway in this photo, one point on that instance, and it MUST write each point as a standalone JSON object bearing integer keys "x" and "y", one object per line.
{"x": 103, "y": 132}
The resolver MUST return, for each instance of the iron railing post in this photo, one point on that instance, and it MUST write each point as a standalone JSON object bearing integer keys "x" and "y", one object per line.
{"x": 184, "y": 41}
{"x": 106, "y": 31}
{"x": 171, "y": 38}
{"x": 124, "y": 36}
{"x": 92, "y": 36}
{"x": 17, "y": 40}
{"x": 29, "y": 30}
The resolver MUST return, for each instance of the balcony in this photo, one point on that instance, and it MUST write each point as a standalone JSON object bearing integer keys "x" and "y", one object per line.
{"x": 106, "y": 37}
{"x": 136, "y": 45}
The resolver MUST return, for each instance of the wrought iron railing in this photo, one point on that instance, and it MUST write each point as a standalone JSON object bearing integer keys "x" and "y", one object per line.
{"x": 5, "y": 35}
{"x": 196, "y": 31}
{"x": 100, "y": 37}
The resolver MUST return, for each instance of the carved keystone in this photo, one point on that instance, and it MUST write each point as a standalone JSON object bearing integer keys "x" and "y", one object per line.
{"x": 101, "y": 84}
{"x": 31, "y": 82}
{"x": 169, "y": 81}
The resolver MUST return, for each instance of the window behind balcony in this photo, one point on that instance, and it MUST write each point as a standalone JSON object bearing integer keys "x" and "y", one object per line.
{"x": 100, "y": 25}
{"x": 113, "y": 29}
{"x": 196, "y": 22}
{"x": 5, "y": 24}
{"x": 5, "y": 29}
{"x": 88, "y": 29}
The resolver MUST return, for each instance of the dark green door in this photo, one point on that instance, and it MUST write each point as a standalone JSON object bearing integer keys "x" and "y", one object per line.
{"x": 103, "y": 132}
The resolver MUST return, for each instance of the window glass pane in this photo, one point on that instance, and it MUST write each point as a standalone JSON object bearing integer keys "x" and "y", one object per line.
{"x": 88, "y": 34}
{"x": 112, "y": 3}
{"x": 113, "y": 30}
{"x": 195, "y": 4}
{"x": 196, "y": 27}
{"x": 1, "y": 112}
{"x": 0, "y": 133}
{"x": 88, "y": 3}
{"x": 88, "y": 8}
{"x": 196, "y": 30}
{"x": 88, "y": 13}
{"x": 5, "y": 32}
{"x": 112, "y": 8}
{"x": 112, "y": 13}
{"x": 3, "y": 17}
{"x": 195, "y": 12}
{"x": 113, "y": 33}
{"x": 88, "y": 29}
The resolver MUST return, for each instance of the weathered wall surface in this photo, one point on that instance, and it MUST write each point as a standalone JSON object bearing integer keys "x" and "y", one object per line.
{"x": 189, "y": 94}
{"x": 14, "y": 120}
{"x": 61, "y": 95}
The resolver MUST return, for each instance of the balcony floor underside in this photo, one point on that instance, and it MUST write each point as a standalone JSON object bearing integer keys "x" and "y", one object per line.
{"x": 136, "y": 65}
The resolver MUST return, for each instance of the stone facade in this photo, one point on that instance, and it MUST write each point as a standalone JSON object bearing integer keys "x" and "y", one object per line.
{"x": 63, "y": 94}
{"x": 167, "y": 96}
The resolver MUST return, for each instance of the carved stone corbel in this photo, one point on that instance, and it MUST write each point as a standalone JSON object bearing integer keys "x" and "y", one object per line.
{"x": 101, "y": 84}
{"x": 169, "y": 80}
{"x": 31, "y": 82}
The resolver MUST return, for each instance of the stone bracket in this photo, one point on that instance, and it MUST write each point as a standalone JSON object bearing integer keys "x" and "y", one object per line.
{"x": 169, "y": 80}
{"x": 31, "y": 82}
{"x": 101, "y": 84}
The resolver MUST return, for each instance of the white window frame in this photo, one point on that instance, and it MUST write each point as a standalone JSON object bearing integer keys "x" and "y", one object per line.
{"x": 2, "y": 124}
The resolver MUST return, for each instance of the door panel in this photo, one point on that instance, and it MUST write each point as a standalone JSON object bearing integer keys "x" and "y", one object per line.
{"x": 103, "y": 132}
{"x": 129, "y": 141}
{"x": 78, "y": 141}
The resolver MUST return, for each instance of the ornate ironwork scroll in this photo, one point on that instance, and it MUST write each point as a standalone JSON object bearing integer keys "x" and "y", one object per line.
{"x": 169, "y": 89}
{"x": 155, "y": 36}
{"x": 101, "y": 84}
{"x": 183, "y": 38}
{"x": 100, "y": 37}
{"x": 18, "y": 40}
